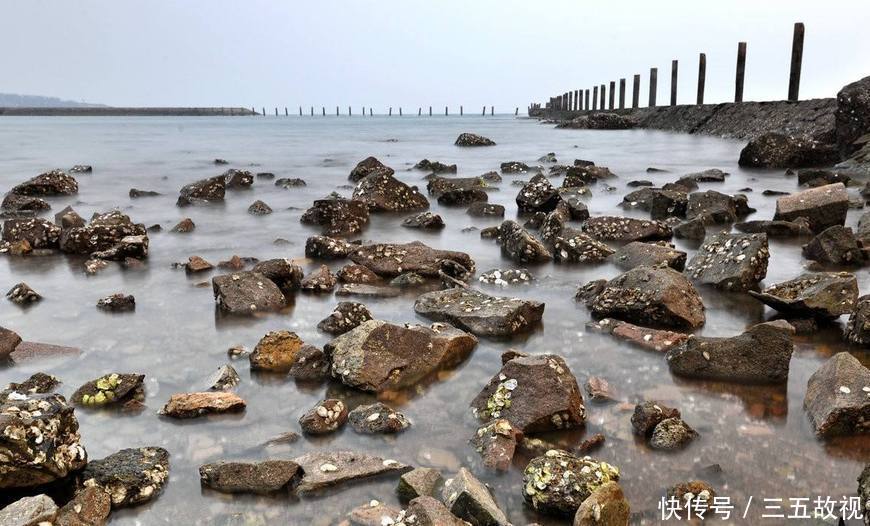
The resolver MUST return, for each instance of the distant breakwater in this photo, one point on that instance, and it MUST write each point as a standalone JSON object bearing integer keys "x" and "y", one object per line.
{"x": 125, "y": 112}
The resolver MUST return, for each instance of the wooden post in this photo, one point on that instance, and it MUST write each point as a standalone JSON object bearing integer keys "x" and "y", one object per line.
{"x": 674, "y": 66}
{"x": 570, "y": 100}
{"x": 517, "y": 111}
{"x": 420, "y": 111}
{"x": 312, "y": 111}
{"x": 741, "y": 72}
{"x": 602, "y": 104}
{"x": 253, "y": 111}
{"x": 400, "y": 111}
{"x": 612, "y": 98}
{"x": 653, "y": 81}
{"x": 445, "y": 111}
{"x": 370, "y": 111}
{"x": 552, "y": 106}
{"x": 390, "y": 114}
{"x": 491, "y": 111}
{"x": 461, "y": 110}
{"x": 797, "y": 55}
{"x": 622, "y": 94}
{"x": 264, "y": 111}
{"x": 348, "y": 111}
{"x": 337, "y": 111}
{"x": 586, "y": 105}
{"x": 276, "y": 111}
{"x": 576, "y": 100}
{"x": 300, "y": 111}
{"x": 286, "y": 114}
{"x": 635, "y": 91}
{"x": 595, "y": 97}
{"x": 702, "y": 77}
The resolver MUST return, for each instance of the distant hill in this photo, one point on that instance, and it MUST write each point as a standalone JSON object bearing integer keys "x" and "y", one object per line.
{"x": 11, "y": 100}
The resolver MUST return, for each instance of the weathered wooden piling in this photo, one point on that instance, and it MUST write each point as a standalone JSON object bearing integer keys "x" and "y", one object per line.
{"x": 552, "y": 105}
{"x": 461, "y": 110}
{"x": 400, "y": 111}
{"x": 674, "y": 65}
{"x": 622, "y": 94}
{"x": 337, "y": 111}
{"x": 612, "y": 98}
{"x": 390, "y": 112}
{"x": 635, "y": 91}
{"x": 653, "y": 82}
{"x": 586, "y": 101}
{"x": 595, "y": 97}
{"x": 312, "y": 111}
{"x": 286, "y": 113}
{"x": 370, "y": 112}
{"x": 741, "y": 72}
{"x": 253, "y": 112}
{"x": 491, "y": 110}
{"x": 348, "y": 111}
{"x": 276, "y": 111}
{"x": 300, "y": 111}
{"x": 264, "y": 111}
{"x": 702, "y": 77}
{"x": 517, "y": 111}
{"x": 419, "y": 111}
{"x": 430, "y": 111}
{"x": 797, "y": 55}
{"x": 323, "y": 110}
{"x": 570, "y": 96}
{"x": 445, "y": 111}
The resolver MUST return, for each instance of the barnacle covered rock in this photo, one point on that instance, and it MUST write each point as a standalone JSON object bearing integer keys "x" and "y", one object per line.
{"x": 558, "y": 482}
{"x": 130, "y": 476}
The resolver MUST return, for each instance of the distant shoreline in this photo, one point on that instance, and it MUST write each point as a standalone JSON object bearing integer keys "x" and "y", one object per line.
{"x": 122, "y": 112}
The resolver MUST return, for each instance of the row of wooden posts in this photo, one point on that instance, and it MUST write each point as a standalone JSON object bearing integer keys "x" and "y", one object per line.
{"x": 371, "y": 112}
{"x": 578, "y": 100}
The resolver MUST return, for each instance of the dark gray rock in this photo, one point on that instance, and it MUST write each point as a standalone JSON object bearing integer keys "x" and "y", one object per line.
{"x": 377, "y": 418}
{"x": 694, "y": 230}
{"x": 247, "y": 293}
{"x": 135, "y": 193}
{"x": 735, "y": 262}
{"x": 538, "y": 195}
{"x": 823, "y": 207}
{"x": 480, "y": 313}
{"x": 462, "y": 197}
{"x": 469, "y": 499}
{"x": 268, "y": 476}
{"x": 9, "y": 340}
{"x": 852, "y": 115}
{"x": 117, "y": 303}
{"x": 672, "y": 434}
{"x": 23, "y": 203}
{"x": 514, "y": 167}
{"x": 836, "y": 399}
{"x": 778, "y": 150}
{"x": 130, "y": 476}
{"x": 39, "y": 233}
{"x": 338, "y": 216}
{"x": 824, "y": 295}
{"x": 392, "y": 259}
{"x": 104, "y": 233}
{"x": 857, "y": 329}
{"x": 324, "y": 247}
{"x": 647, "y": 415}
{"x": 435, "y": 167}
{"x": 518, "y": 244}
{"x": 424, "y": 220}
{"x": 470, "y": 139}
{"x": 419, "y": 482}
{"x": 238, "y": 179}
{"x": 615, "y": 228}
{"x": 346, "y": 316}
{"x": 637, "y": 253}
{"x": 480, "y": 209}
{"x": 325, "y": 469}
{"x": 382, "y": 192}
{"x": 798, "y": 227}
{"x": 22, "y": 294}
{"x": 366, "y": 167}
{"x": 259, "y": 208}
{"x": 282, "y": 272}
{"x": 599, "y": 121}
{"x": 203, "y": 191}
{"x": 320, "y": 280}
{"x": 836, "y": 245}
{"x": 53, "y": 183}
{"x": 287, "y": 182}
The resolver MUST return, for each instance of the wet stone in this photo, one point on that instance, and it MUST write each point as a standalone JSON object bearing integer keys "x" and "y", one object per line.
{"x": 203, "y": 191}
{"x": 857, "y": 329}
{"x": 438, "y": 186}
{"x": 382, "y": 192}
{"x": 571, "y": 199}
{"x": 113, "y": 389}
{"x": 237, "y": 179}
{"x": 247, "y": 293}
{"x": 614, "y": 228}
{"x": 480, "y": 313}
{"x": 506, "y": 277}
{"x": 259, "y": 208}
{"x": 366, "y": 167}
{"x": 734, "y": 262}
{"x": 117, "y": 303}
{"x": 693, "y": 230}
{"x": 471, "y": 139}
{"x": 346, "y": 316}
{"x": 39, "y": 233}
{"x": 282, "y": 272}
{"x": 184, "y": 226}
{"x": 424, "y": 220}
{"x": 836, "y": 245}
{"x": 9, "y": 340}
{"x": 435, "y": 166}
{"x": 374, "y": 513}
{"x": 798, "y": 227}
{"x": 391, "y": 259}
{"x": 311, "y": 365}
{"x": 824, "y": 206}
{"x": 429, "y": 511}
{"x": 823, "y": 295}
{"x": 354, "y": 273}
{"x": 194, "y": 405}
{"x": 482, "y": 209}
{"x": 325, "y": 417}
{"x": 586, "y": 174}
{"x": 496, "y": 442}
{"x": 53, "y": 183}
{"x": 538, "y": 195}
{"x": 90, "y": 507}
{"x": 695, "y": 494}
{"x": 716, "y": 208}
{"x": 136, "y": 193}
{"x": 377, "y": 418}
{"x": 558, "y": 482}
{"x": 647, "y": 416}
{"x": 535, "y": 393}
{"x": 224, "y": 379}
{"x": 320, "y": 280}
{"x": 672, "y": 434}
{"x": 419, "y": 482}
{"x": 462, "y": 197}
{"x": 68, "y": 218}
{"x": 637, "y": 253}
{"x": 324, "y": 469}
{"x": 22, "y": 294}
{"x": 838, "y": 397}
{"x": 104, "y": 233}
{"x": 324, "y": 247}
{"x": 367, "y": 291}
{"x": 197, "y": 264}
{"x": 572, "y": 246}
{"x": 130, "y": 476}
{"x": 38, "y": 510}
{"x": 514, "y": 167}
{"x": 22, "y": 204}
{"x": 606, "y": 506}
{"x": 261, "y": 478}
{"x": 276, "y": 352}
{"x": 469, "y": 499}
{"x": 599, "y": 389}
{"x": 288, "y": 182}
{"x": 518, "y": 244}
{"x": 338, "y": 216}
{"x": 778, "y": 150}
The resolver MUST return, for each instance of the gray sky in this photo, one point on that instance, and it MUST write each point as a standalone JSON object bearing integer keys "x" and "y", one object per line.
{"x": 415, "y": 53}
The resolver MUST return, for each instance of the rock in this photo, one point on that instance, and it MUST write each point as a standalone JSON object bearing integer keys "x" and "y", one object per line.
{"x": 268, "y": 476}
{"x": 419, "y": 482}
{"x": 68, "y": 218}
{"x": 193, "y": 405}
{"x": 359, "y": 274}
{"x": 286, "y": 182}
{"x": 39, "y": 510}
{"x": 221, "y": 161}
{"x": 650, "y": 296}
{"x": 377, "y": 418}
{"x": 470, "y": 139}
{"x": 382, "y": 192}
{"x": 377, "y": 356}
{"x": 324, "y": 469}
{"x": 429, "y": 511}
{"x": 462, "y": 197}
{"x": 836, "y": 245}
{"x": 374, "y": 513}
{"x": 836, "y": 399}
{"x": 346, "y": 316}
{"x": 197, "y": 264}
{"x": 672, "y": 434}
{"x": 778, "y": 150}
{"x": 203, "y": 191}
{"x": 259, "y": 208}
{"x": 734, "y": 262}
{"x": 480, "y": 313}
{"x": 224, "y": 379}
{"x": 599, "y": 390}
{"x": 576, "y": 247}
{"x": 852, "y": 116}
{"x": 338, "y": 216}
{"x": 863, "y": 229}
{"x": 184, "y": 226}
{"x": 668, "y": 203}
{"x": 547, "y": 158}
{"x": 648, "y": 415}
{"x": 538, "y": 195}
{"x": 19, "y": 248}
{"x": 320, "y": 280}
{"x": 22, "y": 203}
{"x": 22, "y": 294}
{"x": 824, "y": 295}
{"x": 583, "y": 174}
{"x": 857, "y": 329}
{"x": 558, "y": 482}
{"x": 276, "y": 352}
{"x": 606, "y": 506}
{"x": 39, "y": 233}
{"x": 135, "y": 193}
{"x": 437, "y": 186}
{"x": 237, "y": 179}
{"x": 425, "y": 220}
{"x": 127, "y": 249}
{"x": 282, "y": 272}
{"x": 104, "y": 233}
{"x": 9, "y": 340}
{"x": 33, "y": 351}
{"x": 130, "y": 476}
{"x": 637, "y": 253}
{"x": 535, "y": 393}
{"x": 366, "y": 167}
{"x": 571, "y": 199}
{"x": 246, "y": 293}
{"x": 505, "y": 277}
{"x": 482, "y": 209}
{"x": 799, "y": 227}
{"x": 514, "y": 167}
{"x": 693, "y": 230}
{"x": 761, "y": 355}
{"x": 391, "y": 259}
{"x": 325, "y": 417}
{"x": 715, "y": 208}
{"x": 39, "y": 435}
{"x": 519, "y": 245}
{"x": 311, "y": 365}
{"x": 650, "y": 339}
{"x": 53, "y": 183}
{"x": 713, "y": 175}
{"x": 468, "y": 498}
{"x": 324, "y": 247}
{"x": 817, "y": 177}
{"x": 368, "y": 291}
{"x": 435, "y": 167}
{"x": 90, "y": 507}
{"x": 111, "y": 389}
{"x": 117, "y": 303}
{"x": 824, "y": 206}
{"x": 599, "y": 121}
{"x": 496, "y": 443}
{"x": 614, "y": 228}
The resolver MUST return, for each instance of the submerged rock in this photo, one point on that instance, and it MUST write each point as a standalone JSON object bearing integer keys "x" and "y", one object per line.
{"x": 650, "y": 296}
{"x": 391, "y": 259}
{"x": 836, "y": 245}
{"x": 338, "y": 216}
{"x": 203, "y": 191}
{"x": 377, "y": 418}
{"x": 735, "y": 262}
{"x": 534, "y": 393}
{"x": 185, "y": 226}
{"x": 606, "y": 506}
{"x": 22, "y": 294}
{"x": 637, "y": 253}
{"x": 346, "y": 316}
{"x": 324, "y": 469}
{"x": 425, "y": 220}
{"x": 325, "y": 417}
{"x": 378, "y": 356}
{"x": 761, "y": 355}
{"x": 130, "y": 476}
{"x": 247, "y": 293}
{"x": 823, "y": 295}
{"x": 324, "y": 247}
{"x": 111, "y": 389}
{"x": 419, "y": 482}
{"x": 672, "y": 434}
{"x": 778, "y": 150}
{"x": 117, "y": 303}
{"x": 521, "y": 246}
{"x": 193, "y": 405}
{"x": 468, "y": 498}
{"x": 650, "y": 339}
{"x": 857, "y": 329}
{"x": 53, "y": 183}
{"x": 614, "y": 228}
{"x": 268, "y": 476}
{"x": 276, "y": 352}
{"x": 435, "y": 167}
{"x": 837, "y": 400}
{"x": 496, "y": 442}
{"x": 470, "y": 139}
{"x": 136, "y": 193}
{"x": 382, "y": 192}
{"x": 259, "y": 208}
{"x": 366, "y": 167}
{"x": 480, "y": 313}
{"x": 823, "y": 207}
{"x": 287, "y": 182}
{"x": 482, "y": 209}
{"x": 558, "y": 482}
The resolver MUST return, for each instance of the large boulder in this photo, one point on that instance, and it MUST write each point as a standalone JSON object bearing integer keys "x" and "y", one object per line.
{"x": 735, "y": 262}
{"x": 247, "y": 293}
{"x": 338, "y": 216}
{"x": 836, "y": 399}
{"x": 130, "y": 476}
{"x": 39, "y": 440}
{"x": 39, "y": 233}
{"x": 471, "y": 139}
{"x": 558, "y": 482}
{"x": 469, "y": 499}
{"x": 650, "y": 296}
{"x": 852, "y": 117}
{"x": 823, "y": 206}
{"x": 823, "y": 295}
{"x": 53, "y": 183}
{"x": 538, "y": 195}
{"x": 615, "y": 228}
{"x": 379, "y": 356}
{"x": 779, "y": 150}
{"x": 518, "y": 244}
{"x": 393, "y": 259}
{"x": 366, "y": 167}
{"x": 203, "y": 191}
{"x": 104, "y": 233}
{"x": 857, "y": 329}
{"x": 761, "y": 355}
{"x": 480, "y": 313}
{"x": 534, "y": 393}
{"x": 382, "y": 192}
{"x": 836, "y": 245}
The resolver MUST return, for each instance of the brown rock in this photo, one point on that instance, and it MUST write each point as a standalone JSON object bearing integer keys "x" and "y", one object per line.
{"x": 193, "y": 405}
{"x": 276, "y": 352}
{"x": 837, "y": 400}
{"x": 268, "y": 476}
{"x": 324, "y": 469}
{"x": 325, "y": 417}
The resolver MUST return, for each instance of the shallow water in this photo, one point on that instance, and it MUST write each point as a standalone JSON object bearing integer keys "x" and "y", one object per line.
{"x": 759, "y": 435}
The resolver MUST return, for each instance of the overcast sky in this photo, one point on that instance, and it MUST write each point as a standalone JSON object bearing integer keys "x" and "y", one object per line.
{"x": 415, "y": 53}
